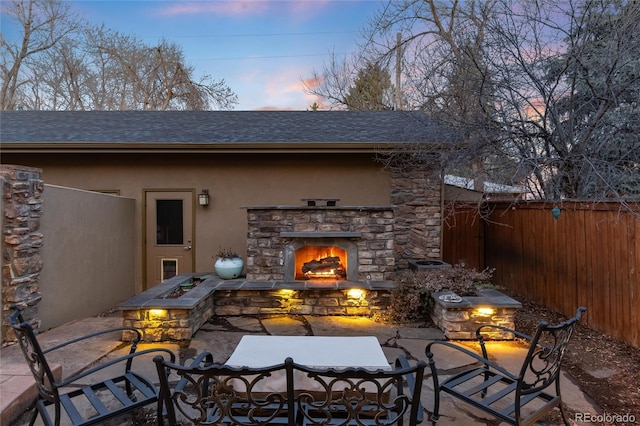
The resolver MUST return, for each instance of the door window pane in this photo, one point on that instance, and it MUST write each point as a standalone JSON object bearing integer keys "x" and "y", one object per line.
{"x": 169, "y": 221}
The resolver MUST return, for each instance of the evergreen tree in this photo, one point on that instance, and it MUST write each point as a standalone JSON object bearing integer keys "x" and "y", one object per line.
{"x": 371, "y": 90}
{"x": 597, "y": 123}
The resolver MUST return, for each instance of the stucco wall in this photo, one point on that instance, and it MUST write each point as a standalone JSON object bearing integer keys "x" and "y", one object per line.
{"x": 238, "y": 180}
{"x": 88, "y": 254}
{"x": 234, "y": 181}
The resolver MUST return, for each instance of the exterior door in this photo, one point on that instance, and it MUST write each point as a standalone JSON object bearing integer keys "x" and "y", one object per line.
{"x": 168, "y": 234}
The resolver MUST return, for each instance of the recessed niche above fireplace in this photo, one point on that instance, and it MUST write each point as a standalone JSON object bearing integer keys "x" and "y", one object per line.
{"x": 320, "y": 243}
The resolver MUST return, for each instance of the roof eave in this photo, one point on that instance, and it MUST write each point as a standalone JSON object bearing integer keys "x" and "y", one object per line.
{"x": 173, "y": 147}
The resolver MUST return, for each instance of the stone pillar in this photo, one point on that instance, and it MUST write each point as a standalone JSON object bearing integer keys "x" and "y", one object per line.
{"x": 21, "y": 242}
{"x": 418, "y": 220}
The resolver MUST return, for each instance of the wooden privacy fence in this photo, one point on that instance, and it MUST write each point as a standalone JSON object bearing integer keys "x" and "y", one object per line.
{"x": 589, "y": 256}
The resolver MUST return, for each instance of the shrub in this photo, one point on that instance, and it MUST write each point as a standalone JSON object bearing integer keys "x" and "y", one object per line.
{"x": 226, "y": 253}
{"x": 411, "y": 299}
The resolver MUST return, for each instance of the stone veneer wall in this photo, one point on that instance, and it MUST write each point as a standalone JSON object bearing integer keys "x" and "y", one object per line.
{"x": 161, "y": 315}
{"x": 417, "y": 196}
{"x": 158, "y": 325}
{"x": 461, "y": 320}
{"x": 300, "y": 302}
{"x": 21, "y": 242}
{"x": 266, "y": 246}
{"x": 461, "y": 324}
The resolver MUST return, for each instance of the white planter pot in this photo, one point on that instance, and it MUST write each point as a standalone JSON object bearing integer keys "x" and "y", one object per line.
{"x": 228, "y": 268}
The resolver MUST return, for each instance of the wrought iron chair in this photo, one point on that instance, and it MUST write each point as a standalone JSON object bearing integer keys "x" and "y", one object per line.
{"x": 507, "y": 395}
{"x": 129, "y": 389}
{"x": 216, "y": 394}
{"x": 356, "y": 396}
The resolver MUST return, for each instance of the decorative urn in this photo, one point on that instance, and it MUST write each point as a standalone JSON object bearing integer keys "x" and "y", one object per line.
{"x": 228, "y": 264}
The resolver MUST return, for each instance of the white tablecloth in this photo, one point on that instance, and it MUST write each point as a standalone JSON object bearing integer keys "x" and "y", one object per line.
{"x": 313, "y": 351}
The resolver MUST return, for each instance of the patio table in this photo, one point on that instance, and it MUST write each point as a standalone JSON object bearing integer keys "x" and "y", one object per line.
{"x": 337, "y": 352}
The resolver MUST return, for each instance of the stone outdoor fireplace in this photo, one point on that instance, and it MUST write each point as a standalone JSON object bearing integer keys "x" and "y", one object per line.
{"x": 307, "y": 260}
{"x": 320, "y": 243}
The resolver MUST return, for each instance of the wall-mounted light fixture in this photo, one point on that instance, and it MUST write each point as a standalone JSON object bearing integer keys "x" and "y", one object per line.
{"x": 203, "y": 197}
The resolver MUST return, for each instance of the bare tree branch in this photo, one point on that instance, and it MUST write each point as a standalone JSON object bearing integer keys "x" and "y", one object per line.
{"x": 540, "y": 93}
{"x": 43, "y": 24}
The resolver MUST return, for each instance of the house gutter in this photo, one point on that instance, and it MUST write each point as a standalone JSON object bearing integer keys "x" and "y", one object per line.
{"x": 186, "y": 147}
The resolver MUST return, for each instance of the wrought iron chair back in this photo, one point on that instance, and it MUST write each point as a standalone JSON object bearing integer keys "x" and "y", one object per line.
{"x": 502, "y": 393}
{"x": 138, "y": 391}
{"x": 34, "y": 356}
{"x": 216, "y": 394}
{"x": 546, "y": 352}
{"x": 356, "y": 396}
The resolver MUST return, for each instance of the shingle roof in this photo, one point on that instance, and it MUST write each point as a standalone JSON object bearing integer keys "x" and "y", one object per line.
{"x": 101, "y": 128}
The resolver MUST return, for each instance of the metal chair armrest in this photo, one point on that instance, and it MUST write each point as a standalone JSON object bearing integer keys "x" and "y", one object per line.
{"x": 509, "y": 330}
{"x": 503, "y": 328}
{"x": 480, "y": 358}
{"x": 205, "y": 358}
{"x": 518, "y": 334}
{"x": 104, "y": 365}
{"x": 98, "y": 333}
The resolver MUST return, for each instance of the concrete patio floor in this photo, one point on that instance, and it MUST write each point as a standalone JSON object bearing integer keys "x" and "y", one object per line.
{"x": 221, "y": 337}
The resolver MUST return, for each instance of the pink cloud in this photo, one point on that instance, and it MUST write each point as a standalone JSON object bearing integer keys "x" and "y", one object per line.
{"x": 226, "y": 8}
{"x": 282, "y": 83}
{"x": 299, "y": 9}
{"x": 306, "y": 9}
{"x": 278, "y": 87}
{"x": 313, "y": 82}
{"x": 273, "y": 108}
{"x": 290, "y": 92}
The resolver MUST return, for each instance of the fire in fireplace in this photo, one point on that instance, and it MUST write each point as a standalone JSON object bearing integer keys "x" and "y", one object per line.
{"x": 317, "y": 258}
{"x": 318, "y": 262}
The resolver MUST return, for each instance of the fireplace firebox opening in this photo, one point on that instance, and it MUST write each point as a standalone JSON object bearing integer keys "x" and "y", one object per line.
{"x": 321, "y": 259}
{"x": 320, "y": 262}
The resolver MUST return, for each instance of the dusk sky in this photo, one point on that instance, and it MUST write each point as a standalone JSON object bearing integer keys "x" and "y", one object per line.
{"x": 263, "y": 49}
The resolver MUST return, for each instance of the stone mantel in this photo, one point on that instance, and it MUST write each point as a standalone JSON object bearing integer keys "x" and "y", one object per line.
{"x": 320, "y": 234}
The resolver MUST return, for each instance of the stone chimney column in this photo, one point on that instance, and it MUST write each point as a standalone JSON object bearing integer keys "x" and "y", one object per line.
{"x": 21, "y": 207}
{"x": 418, "y": 219}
